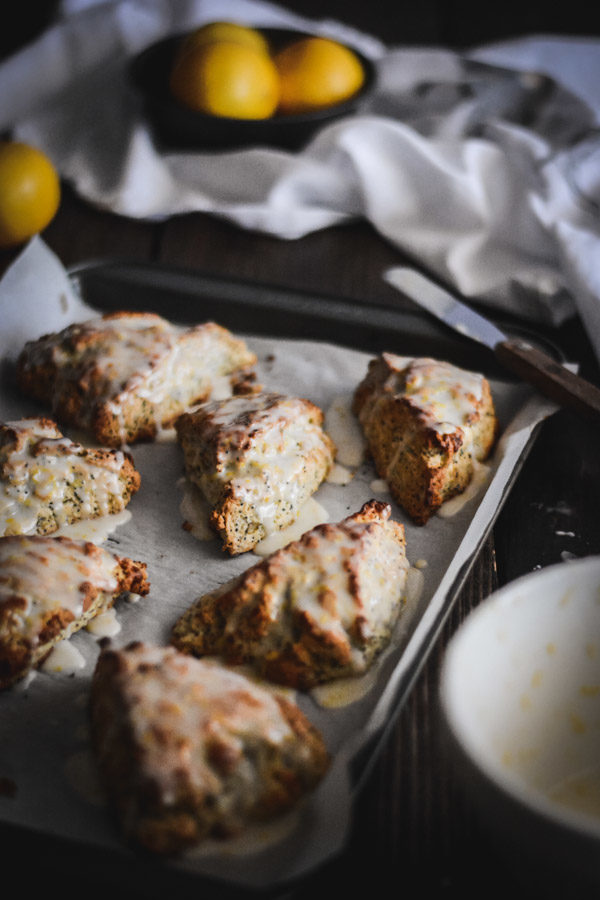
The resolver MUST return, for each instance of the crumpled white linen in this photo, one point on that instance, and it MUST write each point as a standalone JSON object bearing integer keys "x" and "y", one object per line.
{"x": 483, "y": 167}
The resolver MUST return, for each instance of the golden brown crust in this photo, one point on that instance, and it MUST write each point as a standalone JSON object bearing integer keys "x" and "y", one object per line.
{"x": 188, "y": 750}
{"x": 132, "y": 576}
{"x": 426, "y": 425}
{"x": 321, "y": 608}
{"x": 50, "y": 587}
{"x": 125, "y": 376}
{"x": 256, "y": 460}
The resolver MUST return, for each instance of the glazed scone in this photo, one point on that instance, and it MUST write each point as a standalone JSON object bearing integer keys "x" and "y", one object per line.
{"x": 50, "y": 587}
{"x": 256, "y": 460}
{"x": 187, "y": 749}
{"x": 427, "y": 424}
{"x": 47, "y": 480}
{"x": 321, "y": 608}
{"x": 126, "y": 376}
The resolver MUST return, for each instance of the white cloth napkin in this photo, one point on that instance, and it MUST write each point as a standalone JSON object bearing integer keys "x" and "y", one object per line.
{"x": 484, "y": 167}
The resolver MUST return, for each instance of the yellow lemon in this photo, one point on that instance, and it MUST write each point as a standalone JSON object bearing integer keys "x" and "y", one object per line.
{"x": 316, "y": 73}
{"x": 225, "y": 31}
{"x": 29, "y": 192}
{"x": 226, "y": 79}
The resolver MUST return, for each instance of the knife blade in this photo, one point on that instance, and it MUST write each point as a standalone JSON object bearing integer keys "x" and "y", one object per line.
{"x": 529, "y": 363}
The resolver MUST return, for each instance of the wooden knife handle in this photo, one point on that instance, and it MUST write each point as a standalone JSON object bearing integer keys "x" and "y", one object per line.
{"x": 550, "y": 377}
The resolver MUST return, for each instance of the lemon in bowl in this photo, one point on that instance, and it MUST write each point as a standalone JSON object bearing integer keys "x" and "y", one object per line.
{"x": 317, "y": 73}
{"x": 224, "y": 31}
{"x": 186, "y": 111}
{"x": 226, "y": 78}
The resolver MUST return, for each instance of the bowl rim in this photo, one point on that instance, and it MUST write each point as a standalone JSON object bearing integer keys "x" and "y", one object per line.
{"x": 586, "y": 825}
{"x": 137, "y": 73}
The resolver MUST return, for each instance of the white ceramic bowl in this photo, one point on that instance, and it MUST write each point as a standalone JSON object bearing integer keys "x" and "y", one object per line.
{"x": 520, "y": 696}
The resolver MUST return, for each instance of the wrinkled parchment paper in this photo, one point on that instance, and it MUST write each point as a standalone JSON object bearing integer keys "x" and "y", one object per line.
{"x": 45, "y": 753}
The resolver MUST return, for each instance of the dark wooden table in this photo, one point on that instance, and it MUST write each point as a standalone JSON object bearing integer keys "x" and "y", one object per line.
{"x": 413, "y": 825}
{"x": 414, "y": 831}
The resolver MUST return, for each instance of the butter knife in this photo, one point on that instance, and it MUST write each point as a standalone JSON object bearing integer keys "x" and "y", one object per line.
{"x": 523, "y": 359}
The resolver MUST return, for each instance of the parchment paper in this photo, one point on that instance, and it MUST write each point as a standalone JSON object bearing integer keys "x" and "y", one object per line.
{"x": 44, "y": 750}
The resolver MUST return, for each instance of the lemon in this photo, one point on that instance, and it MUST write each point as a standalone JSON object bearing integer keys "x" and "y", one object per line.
{"x": 316, "y": 73}
{"x": 29, "y": 192}
{"x": 225, "y": 78}
{"x": 225, "y": 31}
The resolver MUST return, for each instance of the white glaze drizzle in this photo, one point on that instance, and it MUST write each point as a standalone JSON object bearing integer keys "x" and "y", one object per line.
{"x": 379, "y": 486}
{"x": 342, "y": 426}
{"x": 41, "y": 469}
{"x": 316, "y": 569}
{"x": 105, "y": 624}
{"x": 311, "y": 514}
{"x": 344, "y": 691}
{"x": 443, "y": 392}
{"x": 201, "y": 698}
{"x": 95, "y": 530}
{"x": 64, "y": 658}
{"x": 265, "y": 461}
{"x": 339, "y": 474}
{"x": 45, "y": 573}
{"x": 144, "y": 355}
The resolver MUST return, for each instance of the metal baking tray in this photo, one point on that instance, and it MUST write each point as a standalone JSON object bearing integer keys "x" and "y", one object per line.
{"x": 184, "y": 296}
{"x": 187, "y": 295}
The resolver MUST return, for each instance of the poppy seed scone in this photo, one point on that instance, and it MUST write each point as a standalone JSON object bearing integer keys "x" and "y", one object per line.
{"x": 321, "y": 608}
{"x": 187, "y": 749}
{"x": 427, "y": 424}
{"x": 256, "y": 460}
{"x": 48, "y": 480}
{"x": 50, "y": 587}
{"x": 125, "y": 376}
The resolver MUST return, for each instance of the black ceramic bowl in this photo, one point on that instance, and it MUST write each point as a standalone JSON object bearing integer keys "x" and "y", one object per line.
{"x": 177, "y": 127}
